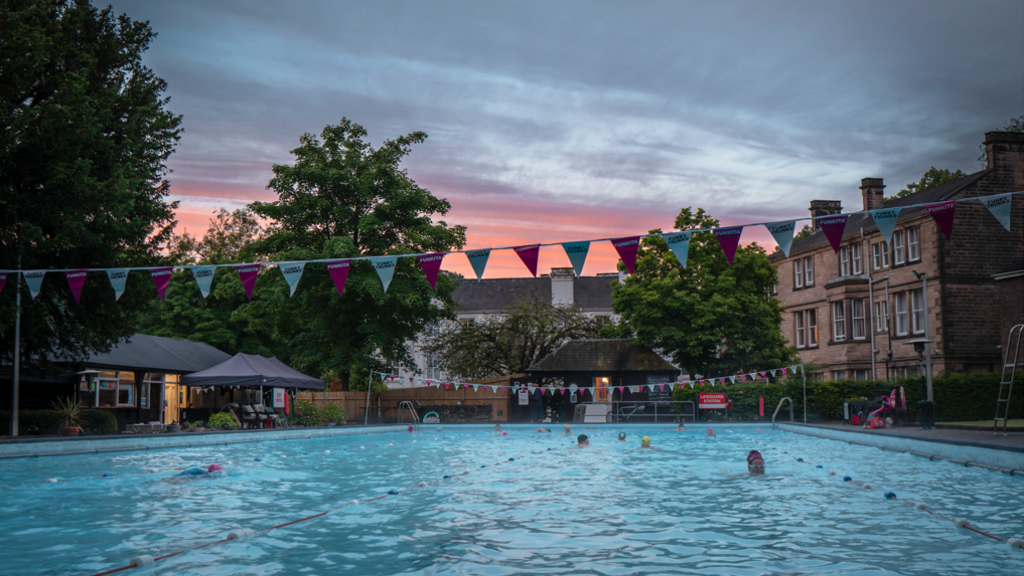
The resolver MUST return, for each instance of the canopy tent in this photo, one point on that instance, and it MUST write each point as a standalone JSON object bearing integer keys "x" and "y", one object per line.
{"x": 252, "y": 370}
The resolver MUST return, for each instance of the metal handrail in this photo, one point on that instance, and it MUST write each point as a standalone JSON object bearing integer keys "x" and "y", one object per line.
{"x": 617, "y": 414}
{"x": 1004, "y": 381}
{"x": 412, "y": 409}
{"x": 779, "y": 407}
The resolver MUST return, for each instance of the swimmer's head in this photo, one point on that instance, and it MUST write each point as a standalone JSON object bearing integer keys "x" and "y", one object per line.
{"x": 497, "y": 426}
{"x": 710, "y": 431}
{"x": 566, "y": 427}
{"x": 411, "y": 428}
{"x": 755, "y": 462}
{"x": 622, "y": 436}
{"x": 504, "y": 433}
{"x": 213, "y": 468}
{"x": 581, "y": 439}
{"x": 645, "y": 441}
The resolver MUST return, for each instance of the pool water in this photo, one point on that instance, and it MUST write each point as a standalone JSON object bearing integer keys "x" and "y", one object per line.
{"x": 608, "y": 509}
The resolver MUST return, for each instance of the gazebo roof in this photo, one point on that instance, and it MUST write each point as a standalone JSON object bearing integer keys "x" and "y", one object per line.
{"x": 602, "y": 356}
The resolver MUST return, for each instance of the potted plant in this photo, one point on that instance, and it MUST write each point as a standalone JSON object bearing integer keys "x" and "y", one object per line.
{"x": 196, "y": 426}
{"x": 173, "y": 428}
{"x": 71, "y": 416}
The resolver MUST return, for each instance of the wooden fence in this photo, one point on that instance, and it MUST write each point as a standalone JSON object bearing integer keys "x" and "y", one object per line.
{"x": 385, "y": 404}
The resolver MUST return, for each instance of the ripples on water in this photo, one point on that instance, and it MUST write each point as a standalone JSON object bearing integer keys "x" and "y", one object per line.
{"x": 608, "y": 509}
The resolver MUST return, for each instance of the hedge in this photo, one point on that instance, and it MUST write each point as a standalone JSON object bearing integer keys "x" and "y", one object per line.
{"x": 958, "y": 397}
{"x": 47, "y": 422}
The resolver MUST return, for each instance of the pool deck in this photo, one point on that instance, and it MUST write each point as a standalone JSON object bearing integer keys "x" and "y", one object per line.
{"x": 966, "y": 447}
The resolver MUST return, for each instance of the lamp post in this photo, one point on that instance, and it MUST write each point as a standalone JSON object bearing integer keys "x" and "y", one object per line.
{"x": 923, "y": 277}
{"x": 926, "y": 408}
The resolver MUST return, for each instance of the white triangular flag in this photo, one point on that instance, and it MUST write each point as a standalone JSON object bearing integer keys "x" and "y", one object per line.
{"x": 292, "y": 271}
{"x": 385, "y": 267}
{"x": 118, "y": 277}
{"x": 204, "y": 278}
{"x": 783, "y": 234}
{"x": 999, "y": 205}
{"x": 34, "y": 279}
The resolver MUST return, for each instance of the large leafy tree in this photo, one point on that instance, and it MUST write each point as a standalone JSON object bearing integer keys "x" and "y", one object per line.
{"x": 711, "y": 318}
{"x": 342, "y": 198}
{"x": 84, "y": 137}
{"x": 932, "y": 178}
{"x": 510, "y": 342}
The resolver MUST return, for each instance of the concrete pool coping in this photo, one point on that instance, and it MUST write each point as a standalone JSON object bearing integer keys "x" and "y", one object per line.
{"x": 58, "y": 446}
{"x": 1003, "y": 458}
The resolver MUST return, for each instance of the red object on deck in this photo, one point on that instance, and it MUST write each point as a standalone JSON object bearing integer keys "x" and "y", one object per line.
{"x": 761, "y": 402}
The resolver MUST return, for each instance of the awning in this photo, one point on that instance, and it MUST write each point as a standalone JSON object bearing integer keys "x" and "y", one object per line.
{"x": 252, "y": 370}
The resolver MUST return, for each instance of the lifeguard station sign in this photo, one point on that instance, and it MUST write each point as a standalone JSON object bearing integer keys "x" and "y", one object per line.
{"x": 711, "y": 400}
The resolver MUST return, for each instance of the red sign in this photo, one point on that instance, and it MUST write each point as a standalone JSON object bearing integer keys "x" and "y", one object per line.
{"x": 711, "y": 400}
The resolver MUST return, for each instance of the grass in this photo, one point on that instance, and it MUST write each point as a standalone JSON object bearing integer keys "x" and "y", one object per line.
{"x": 1011, "y": 423}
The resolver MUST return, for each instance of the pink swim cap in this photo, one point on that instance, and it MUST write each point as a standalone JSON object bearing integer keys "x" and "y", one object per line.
{"x": 213, "y": 468}
{"x": 410, "y": 428}
{"x": 504, "y": 433}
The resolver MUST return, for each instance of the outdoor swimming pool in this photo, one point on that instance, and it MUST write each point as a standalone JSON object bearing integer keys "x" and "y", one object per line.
{"x": 603, "y": 510}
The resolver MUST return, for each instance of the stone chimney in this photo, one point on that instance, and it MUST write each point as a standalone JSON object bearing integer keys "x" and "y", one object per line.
{"x": 871, "y": 193}
{"x": 824, "y": 208}
{"x": 563, "y": 281}
{"x": 1005, "y": 151}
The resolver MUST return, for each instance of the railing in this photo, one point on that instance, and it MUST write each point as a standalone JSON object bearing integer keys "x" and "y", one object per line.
{"x": 642, "y": 412}
{"x": 412, "y": 409}
{"x": 779, "y": 407}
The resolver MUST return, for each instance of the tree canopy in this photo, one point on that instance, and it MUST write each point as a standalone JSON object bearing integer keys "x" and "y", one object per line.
{"x": 510, "y": 342}
{"x": 932, "y": 178}
{"x": 711, "y": 318}
{"x": 84, "y": 140}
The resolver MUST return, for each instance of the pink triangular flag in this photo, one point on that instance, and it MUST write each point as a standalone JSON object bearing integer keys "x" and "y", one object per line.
{"x": 563, "y": 391}
{"x": 763, "y": 374}
{"x": 529, "y": 255}
{"x": 729, "y": 240}
{"x": 627, "y": 248}
{"x": 247, "y": 274}
{"x": 431, "y": 264}
{"x": 76, "y": 279}
{"x": 338, "y": 269}
{"x": 942, "y": 213}
{"x": 620, "y": 389}
{"x": 833, "y": 227}
{"x": 743, "y": 377}
{"x": 784, "y": 371}
{"x": 662, "y": 387}
{"x": 161, "y": 278}
{"x": 3, "y": 280}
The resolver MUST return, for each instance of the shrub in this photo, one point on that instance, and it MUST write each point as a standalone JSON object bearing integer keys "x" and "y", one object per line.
{"x": 305, "y": 413}
{"x": 332, "y": 413}
{"x": 222, "y": 421}
{"x": 99, "y": 423}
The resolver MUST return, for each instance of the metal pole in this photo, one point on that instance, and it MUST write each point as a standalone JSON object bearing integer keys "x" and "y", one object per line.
{"x": 927, "y": 336}
{"x": 872, "y": 324}
{"x": 366, "y": 417}
{"x": 803, "y": 373}
{"x": 17, "y": 354}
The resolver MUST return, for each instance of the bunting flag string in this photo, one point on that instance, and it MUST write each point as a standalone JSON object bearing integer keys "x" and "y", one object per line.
{"x": 76, "y": 279}
{"x": 338, "y": 269}
{"x": 833, "y": 226}
{"x": 3, "y": 280}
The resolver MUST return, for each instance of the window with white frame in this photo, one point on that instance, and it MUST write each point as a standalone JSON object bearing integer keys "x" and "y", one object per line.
{"x": 885, "y": 254}
{"x": 859, "y": 374}
{"x": 800, "y": 329}
{"x": 917, "y": 310}
{"x": 913, "y": 244}
{"x": 798, "y": 273}
{"x": 838, "y": 321}
{"x": 881, "y": 316}
{"x": 433, "y": 369}
{"x": 876, "y": 256}
{"x": 126, "y": 389}
{"x": 811, "y": 317}
{"x": 844, "y": 261}
{"x": 839, "y": 374}
{"x": 897, "y": 247}
{"x": 855, "y": 258}
{"x": 809, "y": 271}
{"x": 900, "y": 302}
{"x": 859, "y": 327}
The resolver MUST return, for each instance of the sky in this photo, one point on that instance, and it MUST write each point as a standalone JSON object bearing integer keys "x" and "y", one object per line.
{"x": 560, "y": 121}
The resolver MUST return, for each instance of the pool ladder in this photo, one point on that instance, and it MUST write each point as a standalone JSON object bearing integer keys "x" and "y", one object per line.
{"x": 1006, "y": 381}
{"x": 779, "y": 407}
{"x": 412, "y": 409}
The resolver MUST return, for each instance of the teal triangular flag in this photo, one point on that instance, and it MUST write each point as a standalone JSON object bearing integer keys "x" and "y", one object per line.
{"x": 478, "y": 260}
{"x": 34, "y": 279}
{"x": 292, "y": 271}
{"x": 204, "y": 278}
{"x": 679, "y": 242}
{"x": 577, "y": 253}
{"x": 885, "y": 219}
{"x": 783, "y": 234}
{"x": 118, "y": 277}
{"x": 385, "y": 267}
{"x": 999, "y": 206}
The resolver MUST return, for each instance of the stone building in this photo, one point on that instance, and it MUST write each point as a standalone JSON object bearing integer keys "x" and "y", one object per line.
{"x": 855, "y": 313}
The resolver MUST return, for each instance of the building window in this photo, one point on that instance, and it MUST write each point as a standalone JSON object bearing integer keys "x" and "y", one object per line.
{"x": 881, "y": 316}
{"x": 433, "y": 370}
{"x": 858, "y": 319}
{"x": 812, "y": 327}
{"x": 838, "y": 321}
{"x": 917, "y": 310}
{"x": 844, "y": 261}
{"x": 839, "y": 375}
{"x": 913, "y": 244}
{"x": 901, "y": 314}
{"x": 897, "y": 247}
{"x": 809, "y": 271}
{"x": 800, "y": 329}
{"x": 855, "y": 256}
{"x": 798, "y": 273}
{"x": 126, "y": 393}
{"x": 876, "y": 256}
{"x": 885, "y": 253}
{"x": 859, "y": 374}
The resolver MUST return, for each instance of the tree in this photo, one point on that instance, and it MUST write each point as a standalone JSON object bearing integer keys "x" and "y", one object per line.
{"x": 510, "y": 342}
{"x": 1012, "y": 125}
{"x": 932, "y": 178}
{"x": 84, "y": 140}
{"x": 710, "y": 318}
{"x": 225, "y": 319}
{"x": 342, "y": 199}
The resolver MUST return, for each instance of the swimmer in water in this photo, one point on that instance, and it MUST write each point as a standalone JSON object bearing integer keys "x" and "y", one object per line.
{"x": 497, "y": 427}
{"x": 759, "y": 430}
{"x": 711, "y": 432}
{"x": 755, "y": 463}
{"x": 645, "y": 442}
{"x": 680, "y": 428}
{"x": 622, "y": 436}
{"x": 581, "y": 441}
{"x": 195, "y": 473}
{"x": 567, "y": 430}
{"x": 542, "y": 430}
{"x": 411, "y": 429}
